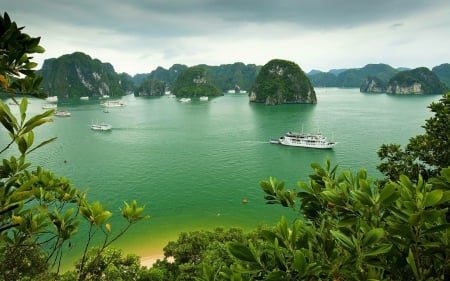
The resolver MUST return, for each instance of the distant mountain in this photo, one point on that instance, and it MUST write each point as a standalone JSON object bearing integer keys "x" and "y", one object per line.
{"x": 416, "y": 81}
{"x": 352, "y": 77}
{"x": 282, "y": 82}
{"x": 225, "y": 76}
{"x": 443, "y": 72}
{"x": 78, "y": 75}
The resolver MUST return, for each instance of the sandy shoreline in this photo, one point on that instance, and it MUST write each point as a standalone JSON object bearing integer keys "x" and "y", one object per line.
{"x": 149, "y": 260}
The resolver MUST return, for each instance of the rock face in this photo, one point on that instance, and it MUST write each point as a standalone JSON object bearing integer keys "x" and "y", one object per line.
{"x": 282, "y": 82}
{"x": 410, "y": 82}
{"x": 373, "y": 85}
{"x": 416, "y": 81}
{"x": 78, "y": 75}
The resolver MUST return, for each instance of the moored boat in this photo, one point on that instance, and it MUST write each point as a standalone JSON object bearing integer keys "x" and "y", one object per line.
{"x": 185, "y": 99}
{"x": 101, "y": 127}
{"x": 204, "y": 98}
{"x": 307, "y": 140}
{"x": 62, "y": 113}
{"x": 49, "y": 106}
{"x": 52, "y": 99}
{"x": 113, "y": 103}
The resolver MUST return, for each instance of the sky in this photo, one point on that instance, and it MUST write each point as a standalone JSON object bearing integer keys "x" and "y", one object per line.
{"x": 137, "y": 36}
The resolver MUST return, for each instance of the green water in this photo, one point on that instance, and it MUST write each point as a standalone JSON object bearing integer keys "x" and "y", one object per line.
{"x": 192, "y": 164}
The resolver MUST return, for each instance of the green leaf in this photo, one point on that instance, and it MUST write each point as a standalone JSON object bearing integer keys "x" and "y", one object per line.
{"x": 299, "y": 261}
{"x": 414, "y": 219}
{"x": 412, "y": 263}
{"x": 373, "y": 236}
{"x": 379, "y": 250}
{"x": 439, "y": 228}
{"x": 432, "y": 198}
{"x": 387, "y": 194}
{"x": 345, "y": 241}
{"x": 241, "y": 252}
{"x": 23, "y": 108}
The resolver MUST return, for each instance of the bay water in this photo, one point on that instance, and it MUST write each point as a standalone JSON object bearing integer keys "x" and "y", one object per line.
{"x": 193, "y": 164}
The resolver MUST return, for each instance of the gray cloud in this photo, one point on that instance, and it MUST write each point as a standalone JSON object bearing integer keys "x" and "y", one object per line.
{"x": 162, "y": 30}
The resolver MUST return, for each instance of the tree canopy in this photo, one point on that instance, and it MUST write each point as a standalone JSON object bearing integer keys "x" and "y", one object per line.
{"x": 39, "y": 211}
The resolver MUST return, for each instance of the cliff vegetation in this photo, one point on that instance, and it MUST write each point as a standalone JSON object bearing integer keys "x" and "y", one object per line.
{"x": 194, "y": 82}
{"x": 282, "y": 82}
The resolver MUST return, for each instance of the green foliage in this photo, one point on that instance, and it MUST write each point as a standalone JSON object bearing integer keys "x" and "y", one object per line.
{"x": 39, "y": 212}
{"x": 354, "y": 229}
{"x": 194, "y": 82}
{"x": 108, "y": 264}
{"x": 280, "y": 82}
{"x": 425, "y": 154}
{"x": 21, "y": 262}
{"x": 199, "y": 255}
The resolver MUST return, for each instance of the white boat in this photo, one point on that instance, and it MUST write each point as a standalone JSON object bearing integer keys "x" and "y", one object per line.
{"x": 62, "y": 113}
{"x": 204, "y": 98}
{"x": 52, "y": 99}
{"x": 101, "y": 127}
{"x": 113, "y": 103}
{"x": 49, "y": 106}
{"x": 305, "y": 140}
{"x": 185, "y": 99}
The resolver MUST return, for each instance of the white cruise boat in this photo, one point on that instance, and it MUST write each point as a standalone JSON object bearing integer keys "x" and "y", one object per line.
{"x": 101, "y": 127}
{"x": 305, "y": 140}
{"x": 204, "y": 98}
{"x": 113, "y": 103}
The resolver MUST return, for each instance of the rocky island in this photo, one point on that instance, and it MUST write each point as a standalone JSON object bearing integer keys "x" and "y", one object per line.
{"x": 282, "y": 82}
{"x": 194, "y": 82}
{"x": 416, "y": 81}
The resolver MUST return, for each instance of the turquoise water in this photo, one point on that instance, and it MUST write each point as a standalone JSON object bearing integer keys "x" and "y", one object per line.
{"x": 192, "y": 164}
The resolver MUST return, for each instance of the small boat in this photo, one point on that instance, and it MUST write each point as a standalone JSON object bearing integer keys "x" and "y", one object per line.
{"x": 204, "y": 98}
{"x": 49, "y": 106}
{"x": 113, "y": 103}
{"x": 101, "y": 127}
{"x": 185, "y": 99}
{"x": 84, "y": 98}
{"x": 307, "y": 140}
{"x": 62, "y": 113}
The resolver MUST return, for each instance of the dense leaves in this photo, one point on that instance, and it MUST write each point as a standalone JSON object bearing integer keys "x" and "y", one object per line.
{"x": 355, "y": 229}
{"x": 425, "y": 154}
{"x": 39, "y": 211}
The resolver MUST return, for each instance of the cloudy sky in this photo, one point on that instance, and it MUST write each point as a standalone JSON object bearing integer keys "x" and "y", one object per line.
{"x": 137, "y": 36}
